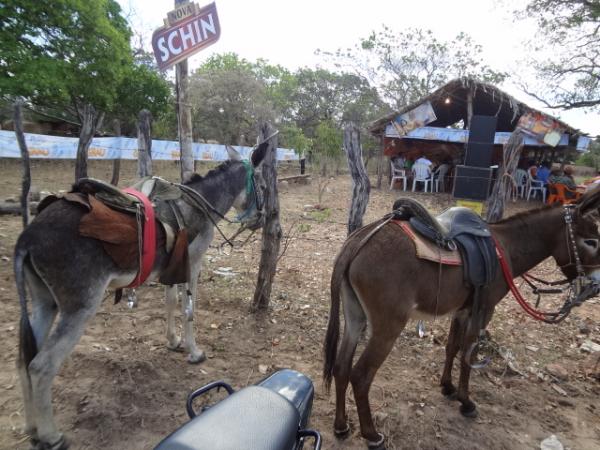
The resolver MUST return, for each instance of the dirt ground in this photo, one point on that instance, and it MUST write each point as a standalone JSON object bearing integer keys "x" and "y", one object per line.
{"x": 122, "y": 389}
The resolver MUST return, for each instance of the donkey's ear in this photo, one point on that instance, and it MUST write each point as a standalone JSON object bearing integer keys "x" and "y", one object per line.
{"x": 259, "y": 153}
{"x": 233, "y": 154}
{"x": 590, "y": 201}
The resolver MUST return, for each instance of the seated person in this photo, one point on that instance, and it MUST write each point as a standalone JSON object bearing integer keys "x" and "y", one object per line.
{"x": 567, "y": 179}
{"x": 543, "y": 172}
{"x": 398, "y": 162}
{"x": 424, "y": 160}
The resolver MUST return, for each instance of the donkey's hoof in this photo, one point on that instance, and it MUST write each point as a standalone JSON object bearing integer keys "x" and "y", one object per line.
{"x": 60, "y": 444}
{"x": 196, "y": 358}
{"x": 342, "y": 433}
{"x": 469, "y": 410}
{"x": 175, "y": 346}
{"x": 449, "y": 391}
{"x": 378, "y": 444}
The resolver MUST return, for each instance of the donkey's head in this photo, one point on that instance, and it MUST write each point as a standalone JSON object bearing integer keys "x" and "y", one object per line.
{"x": 579, "y": 248}
{"x": 249, "y": 203}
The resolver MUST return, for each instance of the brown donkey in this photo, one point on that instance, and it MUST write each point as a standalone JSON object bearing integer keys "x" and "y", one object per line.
{"x": 381, "y": 282}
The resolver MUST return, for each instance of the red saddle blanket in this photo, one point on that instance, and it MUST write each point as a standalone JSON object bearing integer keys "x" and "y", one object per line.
{"x": 425, "y": 249}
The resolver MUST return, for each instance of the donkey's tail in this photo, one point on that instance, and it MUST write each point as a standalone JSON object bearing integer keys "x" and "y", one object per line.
{"x": 333, "y": 326}
{"x": 27, "y": 344}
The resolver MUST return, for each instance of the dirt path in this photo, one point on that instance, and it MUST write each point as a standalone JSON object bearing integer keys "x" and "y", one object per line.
{"x": 121, "y": 388}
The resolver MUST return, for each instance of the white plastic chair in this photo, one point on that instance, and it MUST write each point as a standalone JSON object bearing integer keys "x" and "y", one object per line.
{"x": 534, "y": 186}
{"x": 521, "y": 182}
{"x": 397, "y": 174}
{"x": 439, "y": 176}
{"x": 421, "y": 174}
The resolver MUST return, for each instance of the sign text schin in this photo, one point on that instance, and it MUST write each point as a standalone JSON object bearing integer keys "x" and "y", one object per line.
{"x": 182, "y": 39}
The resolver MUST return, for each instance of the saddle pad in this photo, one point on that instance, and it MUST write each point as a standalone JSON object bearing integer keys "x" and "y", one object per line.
{"x": 426, "y": 249}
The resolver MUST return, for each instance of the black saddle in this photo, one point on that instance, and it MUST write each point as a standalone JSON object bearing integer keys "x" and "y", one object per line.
{"x": 460, "y": 228}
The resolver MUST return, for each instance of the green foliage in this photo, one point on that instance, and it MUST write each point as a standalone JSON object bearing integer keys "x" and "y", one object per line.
{"x": 65, "y": 51}
{"x": 328, "y": 141}
{"x": 569, "y": 74}
{"x": 304, "y": 227}
{"x": 142, "y": 88}
{"x": 591, "y": 158}
{"x": 228, "y": 101}
{"x": 407, "y": 65}
{"x": 291, "y": 136}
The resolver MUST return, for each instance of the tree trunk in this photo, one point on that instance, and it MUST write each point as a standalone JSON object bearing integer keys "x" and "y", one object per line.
{"x": 90, "y": 122}
{"x": 380, "y": 164}
{"x": 26, "y": 183}
{"x": 184, "y": 120}
{"x": 116, "y": 164}
{"x": 469, "y": 108}
{"x": 361, "y": 185}
{"x": 271, "y": 235}
{"x": 505, "y": 183}
{"x": 144, "y": 144}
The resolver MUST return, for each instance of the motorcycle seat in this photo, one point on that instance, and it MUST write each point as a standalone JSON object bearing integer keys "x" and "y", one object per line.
{"x": 234, "y": 424}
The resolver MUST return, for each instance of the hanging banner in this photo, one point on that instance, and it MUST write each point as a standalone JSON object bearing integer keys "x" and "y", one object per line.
{"x": 188, "y": 29}
{"x": 415, "y": 118}
{"x": 541, "y": 127}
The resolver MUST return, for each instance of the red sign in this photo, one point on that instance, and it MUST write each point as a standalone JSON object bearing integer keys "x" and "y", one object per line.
{"x": 182, "y": 39}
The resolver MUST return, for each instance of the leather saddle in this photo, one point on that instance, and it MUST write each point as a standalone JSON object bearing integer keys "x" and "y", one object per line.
{"x": 111, "y": 211}
{"x": 456, "y": 228}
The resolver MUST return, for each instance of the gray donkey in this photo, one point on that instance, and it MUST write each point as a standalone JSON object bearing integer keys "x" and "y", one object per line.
{"x": 67, "y": 274}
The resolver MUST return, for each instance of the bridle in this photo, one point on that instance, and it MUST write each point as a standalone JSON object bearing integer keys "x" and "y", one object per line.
{"x": 580, "y": 288}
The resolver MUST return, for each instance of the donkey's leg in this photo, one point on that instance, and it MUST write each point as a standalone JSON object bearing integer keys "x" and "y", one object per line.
{"x": 354, "y": 323}
{"x": 47, "y": 362}
{"x": 188, "y": 307}
{"x": 173, "y": 339}
{"x": 452, "y": 347}
{"x": 467, "y": 407}
{"x": 43, "y": 314}
{"x": 378, "y": 348}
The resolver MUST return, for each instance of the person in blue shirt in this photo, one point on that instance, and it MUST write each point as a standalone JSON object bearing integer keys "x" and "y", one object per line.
{"x": 543, "y": 172}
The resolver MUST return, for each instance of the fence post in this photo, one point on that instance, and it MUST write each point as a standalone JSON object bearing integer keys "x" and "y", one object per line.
{"x": 26, "y": 183}
{"x": 144, "y": 144}
{"x": 361, "y": 185}
{"x": 271, "y": 233}
{"x": 91, "y": 121}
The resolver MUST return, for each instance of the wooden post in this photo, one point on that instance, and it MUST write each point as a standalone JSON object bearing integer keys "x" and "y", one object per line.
{"x": 90, "y": 122}
{"x": 505, "y": 183}
{"x": 469, "y": 107}
{"x": 360, "y": 180}
{"x": 271, "y": 233}
{"x": 184, "y": 116}
{"x": 144, "y": 144}
{"x": 380, "y": 162}
{"x": 26, "y": 183}
{"x": 116, "y": 164}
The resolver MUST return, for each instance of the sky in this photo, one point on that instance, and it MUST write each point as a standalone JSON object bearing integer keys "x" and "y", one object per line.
{"x": 288, "y": 32}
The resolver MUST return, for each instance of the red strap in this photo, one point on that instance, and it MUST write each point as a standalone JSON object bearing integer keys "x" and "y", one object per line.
{"x": 515, "y": 291}
{"x": 148, "y": 239}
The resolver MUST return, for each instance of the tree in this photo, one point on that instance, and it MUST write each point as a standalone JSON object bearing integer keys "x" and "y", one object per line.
{"x": 407, "y": 65}
{"x": 570, "y": 68}
{"x": 228, "y": 101}
{"x": 291, "y": 136}
{"x": 591, "y": 158}
{"x": 67, "y": 54}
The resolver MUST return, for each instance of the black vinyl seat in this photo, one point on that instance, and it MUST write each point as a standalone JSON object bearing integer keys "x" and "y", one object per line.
{"x": 234, "y": 424}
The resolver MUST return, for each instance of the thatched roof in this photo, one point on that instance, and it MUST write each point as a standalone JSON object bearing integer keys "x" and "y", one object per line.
{"x": 487, "y": 100}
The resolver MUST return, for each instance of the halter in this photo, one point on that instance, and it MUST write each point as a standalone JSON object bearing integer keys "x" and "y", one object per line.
{"x": 581, "y": 287}
{"x": 250, "y": 190}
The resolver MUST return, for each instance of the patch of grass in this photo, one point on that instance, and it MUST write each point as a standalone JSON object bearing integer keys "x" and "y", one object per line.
{"x": 304, "y": 227}
{"x": 321, "y": 215}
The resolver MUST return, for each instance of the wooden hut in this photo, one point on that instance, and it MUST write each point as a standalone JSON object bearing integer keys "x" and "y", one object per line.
{"x": 437, "y": 125}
